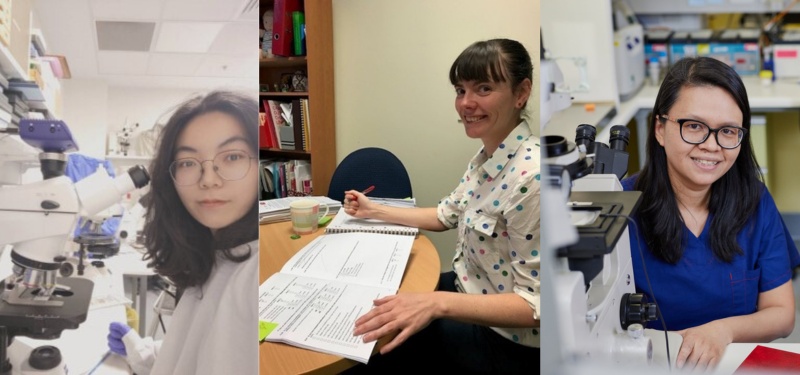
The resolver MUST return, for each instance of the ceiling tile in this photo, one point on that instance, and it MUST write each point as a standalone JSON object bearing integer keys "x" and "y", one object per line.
{"x": 229, "y": 66}
{"x": 236, "y": 38}
{"x": 173, "y": 64}
{"x": 140, "y": 10}
{"x": 187, "y": 36}
{"x": 202, "y": 10}
{"x": 118, "y": 62}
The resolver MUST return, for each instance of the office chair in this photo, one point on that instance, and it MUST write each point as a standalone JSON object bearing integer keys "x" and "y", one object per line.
{"x": 367, "y": 167}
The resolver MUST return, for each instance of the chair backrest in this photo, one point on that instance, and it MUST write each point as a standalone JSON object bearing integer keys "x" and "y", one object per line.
{"x": 367, "y": 167}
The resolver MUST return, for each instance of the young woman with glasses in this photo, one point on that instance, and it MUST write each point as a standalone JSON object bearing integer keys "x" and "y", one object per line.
{"x": 201, "y": 232}
{"x": 717, "y": 253}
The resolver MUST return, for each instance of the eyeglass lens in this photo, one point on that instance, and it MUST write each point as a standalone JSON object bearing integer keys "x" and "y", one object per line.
{"x": 697, "y": 132}
{"x": 229, "y": 165}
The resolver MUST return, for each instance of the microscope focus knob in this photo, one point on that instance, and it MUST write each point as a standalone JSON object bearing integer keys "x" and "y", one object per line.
{"x": 634, "y": 308}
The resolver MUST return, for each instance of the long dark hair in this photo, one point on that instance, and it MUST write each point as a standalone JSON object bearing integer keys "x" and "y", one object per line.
{"x": 733, "y": 198}
{"x": 495, "y": 60}
{"x": 178, "y": 246}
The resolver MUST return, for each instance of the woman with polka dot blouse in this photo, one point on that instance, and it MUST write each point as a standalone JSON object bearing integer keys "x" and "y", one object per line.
{"x": 484, "y": 316}
{"x": 718, "y": 255}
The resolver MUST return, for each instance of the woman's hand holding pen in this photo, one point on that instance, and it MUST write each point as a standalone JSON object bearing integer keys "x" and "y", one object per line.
{"x": 406, "y": 312}
{"x": 357, "y": 204}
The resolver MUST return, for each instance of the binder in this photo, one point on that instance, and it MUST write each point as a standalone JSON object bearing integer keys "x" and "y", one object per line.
{"x": 283, "y": 26}
{"x": 299, "y": 23}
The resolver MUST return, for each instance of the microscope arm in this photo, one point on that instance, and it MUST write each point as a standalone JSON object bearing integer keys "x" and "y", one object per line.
{"x": 36, "y": 218}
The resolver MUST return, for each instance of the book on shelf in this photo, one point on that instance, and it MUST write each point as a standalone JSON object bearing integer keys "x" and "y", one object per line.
{"x": 299, "y": 33}
{"x": 270, "y": 129}
{"x": 284, "y": 178}
{"x": 297, "y": 126}
{"x": 306, "y": 122}
{"x": 277, "y": 210}
{"x": 287, "y": 137}
{"x": 314, "y": 301}
{"x": 263, "y": 132}
{"x": 285, "y": 123}
{"x": 344, "y": 223}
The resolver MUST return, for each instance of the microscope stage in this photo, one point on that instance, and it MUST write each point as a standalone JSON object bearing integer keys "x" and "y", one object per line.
{"x": 47, "y": 322}
{"x": 598, "y": 237}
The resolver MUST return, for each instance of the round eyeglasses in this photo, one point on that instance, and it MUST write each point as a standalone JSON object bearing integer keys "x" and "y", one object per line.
{"x": 229, "y": 165}
{"x": 696, "y": 132}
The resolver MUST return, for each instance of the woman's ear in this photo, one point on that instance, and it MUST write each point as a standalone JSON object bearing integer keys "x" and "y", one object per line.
{"x": 659, "y": 129}
{"x": 523, "y": 93}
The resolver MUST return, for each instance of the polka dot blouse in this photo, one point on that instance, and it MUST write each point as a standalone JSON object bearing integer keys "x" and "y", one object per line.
{"x": 496, "y": 210}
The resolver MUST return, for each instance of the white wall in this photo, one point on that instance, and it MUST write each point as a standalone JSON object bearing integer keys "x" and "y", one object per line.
{"x": 85, "y": 111}
{"x": 93, "y": 110}
{"x": 391, "y": 64}
{"x": 142, "y": 105}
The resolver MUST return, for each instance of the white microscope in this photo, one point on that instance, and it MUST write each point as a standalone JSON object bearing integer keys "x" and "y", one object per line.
{"x": 37, "y": 219}
{"x": 597, "y": 318}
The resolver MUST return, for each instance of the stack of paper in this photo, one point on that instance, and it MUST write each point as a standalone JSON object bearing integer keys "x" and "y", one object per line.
{"x": 275, "y": 210}
{"x": 394, "y": 202}
{"x": 344, "y": 223}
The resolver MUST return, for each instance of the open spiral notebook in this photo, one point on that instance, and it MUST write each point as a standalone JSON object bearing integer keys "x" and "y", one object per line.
{"x": 344, "y": 223}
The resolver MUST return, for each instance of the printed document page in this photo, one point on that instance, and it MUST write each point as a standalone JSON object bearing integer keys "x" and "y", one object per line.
{"x": 318, "y": 314}
{"x": 369, "y": 259}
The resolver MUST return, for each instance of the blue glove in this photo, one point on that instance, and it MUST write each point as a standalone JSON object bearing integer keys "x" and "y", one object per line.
{"x": 116, "y": 332}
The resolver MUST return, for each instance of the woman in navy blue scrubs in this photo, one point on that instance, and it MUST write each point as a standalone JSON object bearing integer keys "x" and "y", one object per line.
{"x": 718, "y": 254}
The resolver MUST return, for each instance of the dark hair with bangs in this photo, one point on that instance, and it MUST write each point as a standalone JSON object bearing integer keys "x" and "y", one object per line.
{"x": 178, "y": 246}
{"x": 734, "y": 197}
{"x": 495, "y": 60}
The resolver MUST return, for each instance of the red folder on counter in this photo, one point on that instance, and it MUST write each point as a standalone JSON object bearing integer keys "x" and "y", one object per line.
{"x": 283, "y": 26}
{"x": 763, "y": 358}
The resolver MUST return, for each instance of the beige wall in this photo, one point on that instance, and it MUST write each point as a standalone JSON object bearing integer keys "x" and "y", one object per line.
{"x": 391, "y": 64}
{"x": 783, "y": 141}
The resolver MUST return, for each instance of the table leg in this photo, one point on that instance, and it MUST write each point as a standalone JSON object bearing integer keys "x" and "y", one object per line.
{"x": 142, "y": 281}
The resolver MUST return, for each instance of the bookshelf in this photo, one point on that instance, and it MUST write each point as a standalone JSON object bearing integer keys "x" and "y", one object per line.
{"x": 318, "y": 66}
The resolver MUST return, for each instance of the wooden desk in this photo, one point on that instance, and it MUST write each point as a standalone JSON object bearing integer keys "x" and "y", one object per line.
{"x": 276, "y": 248}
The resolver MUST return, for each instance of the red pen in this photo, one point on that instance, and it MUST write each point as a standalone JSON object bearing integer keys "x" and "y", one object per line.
{"x": 368, "y": 190}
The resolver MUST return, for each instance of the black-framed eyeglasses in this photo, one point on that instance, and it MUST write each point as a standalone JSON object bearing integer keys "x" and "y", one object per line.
{"x": 696, "y": 132}
{"x": 229, "y": 165}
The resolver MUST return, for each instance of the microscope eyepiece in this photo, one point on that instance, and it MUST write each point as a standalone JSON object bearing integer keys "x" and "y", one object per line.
{"x": 618, "y": 140}
{"x": 555, "y": 145}
{"x": 139, "y": 176}
{"x": 585, "y": 134}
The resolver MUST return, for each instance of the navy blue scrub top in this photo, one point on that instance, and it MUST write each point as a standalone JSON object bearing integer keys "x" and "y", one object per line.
{"x": 701, "y": 288}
